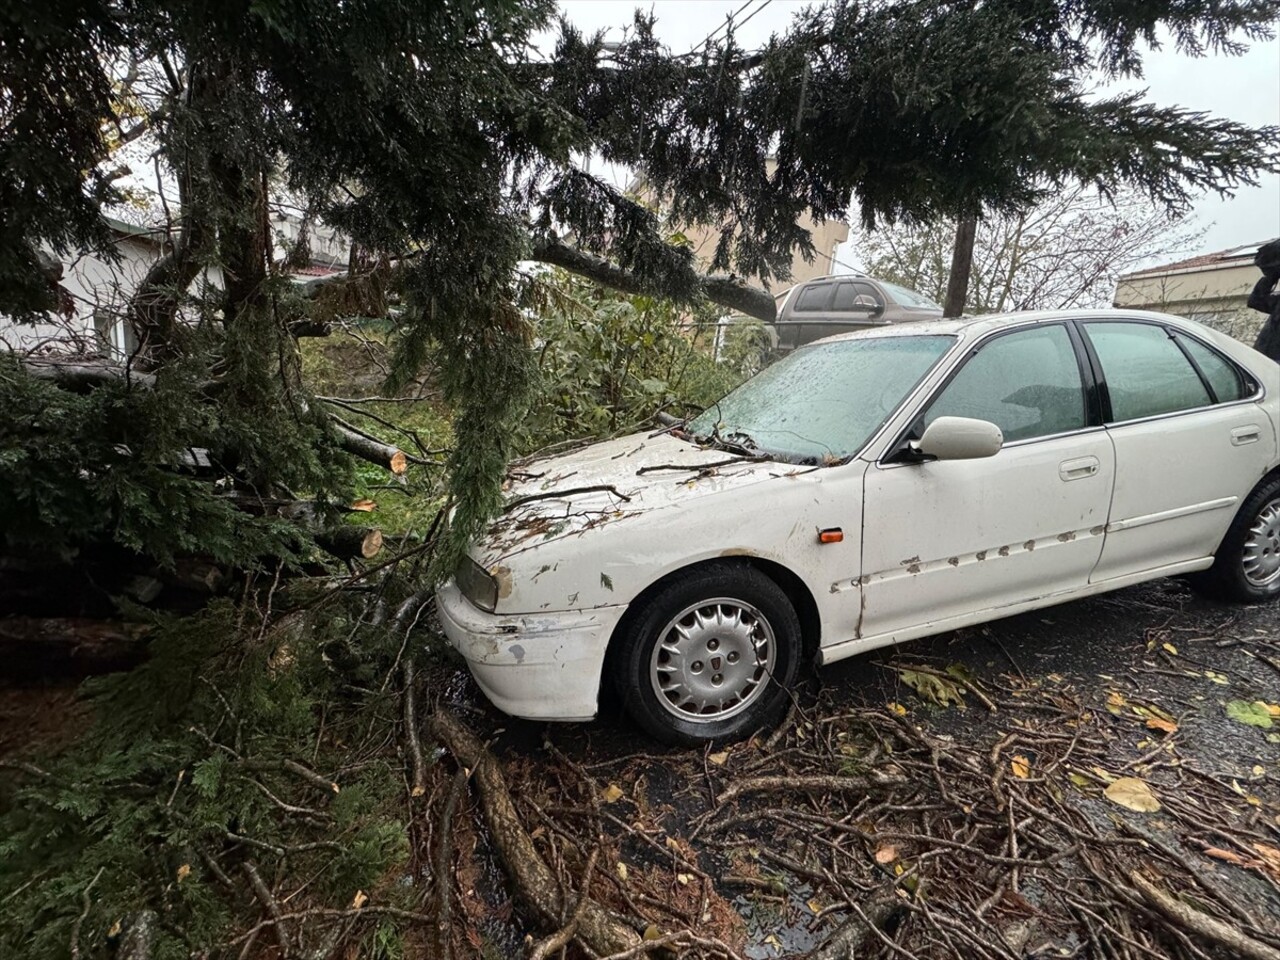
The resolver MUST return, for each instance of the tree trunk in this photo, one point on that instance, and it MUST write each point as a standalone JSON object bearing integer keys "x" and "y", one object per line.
{"x": 727, "y": 291}
{"x": 961, "y": 266}
{"x": 351, "y": 542}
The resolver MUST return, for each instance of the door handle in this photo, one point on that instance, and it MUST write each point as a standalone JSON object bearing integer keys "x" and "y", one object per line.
{"x": 1078, "y": 469}
{"x": 1242, "y": 435}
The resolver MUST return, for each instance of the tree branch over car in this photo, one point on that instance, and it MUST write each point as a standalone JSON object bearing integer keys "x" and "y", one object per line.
{"x": 433, "y": 138}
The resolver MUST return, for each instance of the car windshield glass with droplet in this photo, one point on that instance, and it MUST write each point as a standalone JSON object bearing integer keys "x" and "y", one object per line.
{"x": 822, "y": 403}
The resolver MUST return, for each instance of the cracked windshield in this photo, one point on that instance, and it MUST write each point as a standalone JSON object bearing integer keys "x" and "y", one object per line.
{"x": 821, "y": 403}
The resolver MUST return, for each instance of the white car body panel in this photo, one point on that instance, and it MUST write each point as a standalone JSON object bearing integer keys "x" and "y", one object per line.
{"x": 587, "y": 532}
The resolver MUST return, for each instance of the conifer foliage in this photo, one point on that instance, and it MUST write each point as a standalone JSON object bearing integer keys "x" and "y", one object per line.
{"x": 441, "y": 141}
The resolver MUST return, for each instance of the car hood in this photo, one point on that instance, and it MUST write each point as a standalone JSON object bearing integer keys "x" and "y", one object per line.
{"x": 612, "y": 482}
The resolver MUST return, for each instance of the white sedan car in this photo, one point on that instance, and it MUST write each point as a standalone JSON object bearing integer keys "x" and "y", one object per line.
{"x": 865, "y": 490}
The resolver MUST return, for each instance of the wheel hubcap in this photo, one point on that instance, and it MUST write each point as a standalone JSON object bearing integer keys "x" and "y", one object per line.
{"x": 712, "y": 660}
{"x": 1261, "y": 560}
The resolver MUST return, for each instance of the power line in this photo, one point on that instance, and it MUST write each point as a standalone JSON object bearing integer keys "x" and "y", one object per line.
{"x": 728, "y": 22}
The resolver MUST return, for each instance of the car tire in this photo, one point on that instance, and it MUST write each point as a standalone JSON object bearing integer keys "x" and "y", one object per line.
{"x": 722, "y": 632}
{"x": 1246, "y": 568}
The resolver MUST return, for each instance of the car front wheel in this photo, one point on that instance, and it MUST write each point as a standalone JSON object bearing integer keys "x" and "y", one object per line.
{"x": 711, "y": 655}
{"x": 1246, "y": 567}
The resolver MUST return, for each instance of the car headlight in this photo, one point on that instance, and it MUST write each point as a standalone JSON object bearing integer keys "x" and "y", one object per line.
{"x": 477, "y": 584}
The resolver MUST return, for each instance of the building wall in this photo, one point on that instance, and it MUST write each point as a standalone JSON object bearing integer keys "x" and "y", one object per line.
{"x": 1215, "y": 296}
{"x": 826, "y": 237}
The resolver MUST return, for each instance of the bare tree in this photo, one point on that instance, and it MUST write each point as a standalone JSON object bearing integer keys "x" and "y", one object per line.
{"x": 1066, "y": 252}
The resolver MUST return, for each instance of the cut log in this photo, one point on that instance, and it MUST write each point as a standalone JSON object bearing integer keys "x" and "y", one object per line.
{"x": 200, "y": 576}
{"x": 351, "y": 542}
{"x": 39, "y": 646}
{"x": 535, "y": 883}
{"x": 80, "y": 376}
{"x": 361, "y": 445}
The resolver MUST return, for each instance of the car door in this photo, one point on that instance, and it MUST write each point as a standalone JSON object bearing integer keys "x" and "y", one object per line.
{"x": 1190, "y": 443}
{"x": 943, "y": 540}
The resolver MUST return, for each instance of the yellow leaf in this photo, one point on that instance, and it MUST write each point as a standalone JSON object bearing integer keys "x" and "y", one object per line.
{"x": 683, "y": 879}
{"x": 651, "y": 932}
{"x": 718, "y": 758}
{"x": 1161, "y": 724}
{"x": 673, "y": 844}
{"x": 1079, "y": 779}
{"x": 1021, "y": 767}
{"x": 611, "y": 794}
{"x": 1259, "y": 770}
{"x": 184, "y": 871}
{"x": 1218, "y": 678}
{"x": 886, "y": 854}
{"x": 1273, "y": 709}
{"x": 897, "y": 708}
{"x": 1116, "y": 702}
{"x": 814, "y": 905}
{"x": 359, "y": 900}
{"x": 1132, "y": 794}
{"x": 622, "y": 870}
{"x": 773, "y": 941}
{"x": 115, "y": 929}
{"x": 1170, "y": 648}
{"x": 418, "y": 791}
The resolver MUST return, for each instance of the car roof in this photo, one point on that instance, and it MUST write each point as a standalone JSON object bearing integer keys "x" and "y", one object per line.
{"x": 973, "y": 327}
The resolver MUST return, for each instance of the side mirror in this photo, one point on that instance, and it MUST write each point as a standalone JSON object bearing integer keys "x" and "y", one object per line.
{"x": 959, "y": 438}
{"x": 863, "y": 302}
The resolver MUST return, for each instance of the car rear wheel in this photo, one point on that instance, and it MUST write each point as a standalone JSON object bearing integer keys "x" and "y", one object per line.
{"x": 1246, "y": 568}
{"x": 710, "y": 656}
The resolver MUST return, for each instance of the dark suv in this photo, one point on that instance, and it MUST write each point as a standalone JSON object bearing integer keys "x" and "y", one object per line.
{"x": 829, "y": 305}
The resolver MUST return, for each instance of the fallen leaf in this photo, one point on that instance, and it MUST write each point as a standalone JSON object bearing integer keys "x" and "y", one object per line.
{"x": 814, "y": 905}
{"x": 773, "y": 941}
{"x": 886, "y": 854}
{"x": 1079, "y": 779}
{"x": 184, "y": 871}
{"x": 1132, "y": 794}
{"x": 359, "y": 900}
{"x": 1170, "y": 648}
{"x": 611, "y": 794}
{"x": 673, "y": 844}
{"x": 418, "y": 791}
{"x": 718, "y": 758}
{"x": 622, "y": 870}
{"x": 1219, "y": 678}
{"x": 683, "y": 879}
{"x": 1021, "y": 767}
{"x": 116, "y": 928}
{"x": 651, "y": 932}
{"x": 1259, "y": 770}
{"x": 1161, "y": 724}
{"x": 1116, "y": 702}
{"x": 897, "y": 708}
{"x": 1254, "y": 714}
{"x": 932, "y": 689}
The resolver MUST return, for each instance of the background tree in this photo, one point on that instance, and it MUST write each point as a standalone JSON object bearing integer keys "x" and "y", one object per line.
{"x": 1065, "y": 252}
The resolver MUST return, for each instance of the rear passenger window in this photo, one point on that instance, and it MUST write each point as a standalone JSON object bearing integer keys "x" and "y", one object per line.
{"x": 1221, "y": 373}
{"x": 843, "y": 301}
{"x": 1027, "y": 383}
{"x": 1146, "y": 373}
{"x": 814, "y": 298}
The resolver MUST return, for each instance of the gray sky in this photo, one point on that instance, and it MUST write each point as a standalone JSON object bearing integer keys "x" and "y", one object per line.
{"x": 1245, "y": 88}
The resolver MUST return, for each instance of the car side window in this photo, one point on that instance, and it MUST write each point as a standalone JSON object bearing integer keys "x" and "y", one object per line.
{"x": 843, "y": 300}
{"x": 867, "y": 290}
{"x": 1146, "y": 372}
{"x": 1223, "y": 375}
{"x": 814, "y": 298}
{"x": 1027, "y": 383}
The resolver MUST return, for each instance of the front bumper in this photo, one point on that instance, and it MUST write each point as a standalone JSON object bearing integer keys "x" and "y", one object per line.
{"x": 538, "y": 666}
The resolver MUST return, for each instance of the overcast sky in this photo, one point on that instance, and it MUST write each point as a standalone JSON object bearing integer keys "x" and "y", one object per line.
{"x": 1245, "y": 88}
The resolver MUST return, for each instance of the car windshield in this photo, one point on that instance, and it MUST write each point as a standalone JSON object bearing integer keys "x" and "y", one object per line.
{"x": 908, "y": 298}
{"x": 823, "y": 402}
